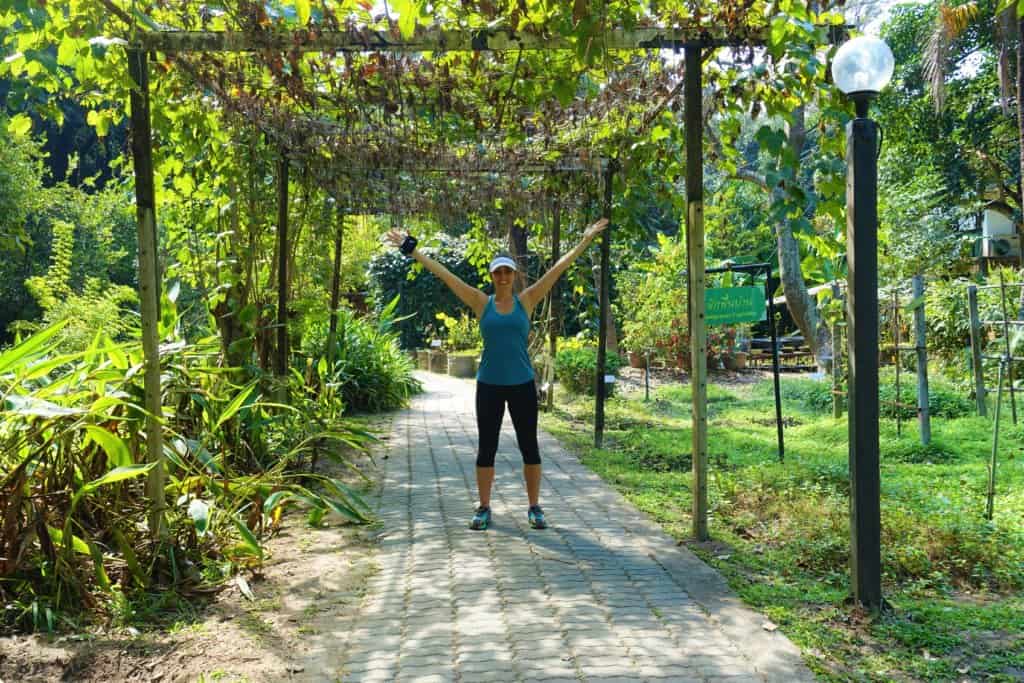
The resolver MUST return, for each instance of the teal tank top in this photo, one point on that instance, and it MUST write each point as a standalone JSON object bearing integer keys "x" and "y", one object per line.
{"x": 505, "y": 360}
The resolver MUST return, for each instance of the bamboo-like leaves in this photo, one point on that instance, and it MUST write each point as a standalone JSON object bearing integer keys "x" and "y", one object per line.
{"x": 22, "y": 353}
{"x": 250, "y": 545}
{"x": 116, "y": 449}
{"x": 236, "y": 404}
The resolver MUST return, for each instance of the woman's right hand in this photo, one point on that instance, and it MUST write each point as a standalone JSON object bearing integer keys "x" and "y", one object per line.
{"x": 395, "y": 237}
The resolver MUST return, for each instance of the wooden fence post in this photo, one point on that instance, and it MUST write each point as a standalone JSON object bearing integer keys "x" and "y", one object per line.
{"x": 837, "y": 363}
{"x": 920, "y": 332}
{"x": 979, "y": 374}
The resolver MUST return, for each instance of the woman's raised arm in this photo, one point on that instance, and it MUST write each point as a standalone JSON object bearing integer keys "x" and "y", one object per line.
{"x": 471, "y": 296}
{"x": 536, "y": 292}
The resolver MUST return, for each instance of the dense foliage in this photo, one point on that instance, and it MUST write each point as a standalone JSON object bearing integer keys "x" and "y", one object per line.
{"x": 576, "y": 366}
{"x": 369, "y": 371}
{"x": 76, "y": 525}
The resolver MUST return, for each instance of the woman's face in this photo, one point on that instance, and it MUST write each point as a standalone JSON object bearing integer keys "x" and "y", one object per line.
{"x": 503, "y": 276}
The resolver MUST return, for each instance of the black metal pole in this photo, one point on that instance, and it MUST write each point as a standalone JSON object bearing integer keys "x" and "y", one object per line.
{"x": 770, "y": 295}
{"x": 862, "y": 314}
{"x": 600, "y": 387}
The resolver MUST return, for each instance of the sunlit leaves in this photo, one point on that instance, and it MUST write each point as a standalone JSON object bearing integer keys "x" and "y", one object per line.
{"x": 302, "y": 11}
{"x": 19, "y": 125}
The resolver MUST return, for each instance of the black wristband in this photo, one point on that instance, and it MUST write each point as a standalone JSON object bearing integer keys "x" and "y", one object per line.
{"x": 409, "y": 245}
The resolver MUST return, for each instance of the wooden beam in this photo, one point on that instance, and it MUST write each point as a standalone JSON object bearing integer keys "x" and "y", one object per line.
{"x": 436, "y": 40}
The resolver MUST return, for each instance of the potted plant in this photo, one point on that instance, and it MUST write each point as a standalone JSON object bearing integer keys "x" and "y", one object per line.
{"x": 736, "y": 359}
{"x": 462, "y": 343}
{"x": 655, "y": 305}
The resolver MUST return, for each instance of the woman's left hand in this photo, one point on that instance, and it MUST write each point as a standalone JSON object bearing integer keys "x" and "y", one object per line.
{"x": 595, "y": 228}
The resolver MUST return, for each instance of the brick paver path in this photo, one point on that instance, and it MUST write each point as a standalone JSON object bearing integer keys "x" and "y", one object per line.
{"x": 602, "y": 595}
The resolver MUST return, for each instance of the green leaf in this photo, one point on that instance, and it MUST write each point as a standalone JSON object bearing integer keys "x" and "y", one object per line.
{"x": 36, "y": 407}
{"x": 274, "y": 499}
{"x": 117, "y": 451}
{"x": 129, "y": 558}
{"x": 97, "y": 560}
{"x": 344, "y": 510}
{"x": 67, "y": 51}
{"x": 19, "y": 125}
{"x": 118, "y": 474}
{"x": 249, "y": 541}
{"x": 80, "y": 546}
{"x": 407, "y": 11}
{"x": 778, "y": 32}
{"x": 342, "y": 489}
{"x": 236, "y": 404}
{"x": 303, "y": 9}
{"x": 659, "y": 133}
{"x": 100, "y": 121}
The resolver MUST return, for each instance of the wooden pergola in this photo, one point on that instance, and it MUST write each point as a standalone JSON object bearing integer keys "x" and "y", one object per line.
{"x": 692, "y": 41}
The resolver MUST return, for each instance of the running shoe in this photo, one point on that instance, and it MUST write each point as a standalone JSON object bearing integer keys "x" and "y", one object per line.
{"x": 536, "y": 517}
{"x": 481, "y": 519}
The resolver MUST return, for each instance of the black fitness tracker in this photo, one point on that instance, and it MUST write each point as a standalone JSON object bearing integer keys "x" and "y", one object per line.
{"x": 408, "y": 245}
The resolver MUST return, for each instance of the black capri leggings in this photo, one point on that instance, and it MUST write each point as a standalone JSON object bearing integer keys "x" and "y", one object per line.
{"x": 490, "y": 411}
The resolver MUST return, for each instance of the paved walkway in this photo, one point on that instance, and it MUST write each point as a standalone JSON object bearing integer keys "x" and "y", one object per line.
{"x": 603, "y": 595}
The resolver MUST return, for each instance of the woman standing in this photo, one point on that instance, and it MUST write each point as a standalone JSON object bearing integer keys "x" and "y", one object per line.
{"x": 506, "y": 374}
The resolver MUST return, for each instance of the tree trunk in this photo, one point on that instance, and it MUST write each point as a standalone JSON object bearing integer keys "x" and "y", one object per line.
{"x": 802, "y": 305}
{"x": 517, "y": 246}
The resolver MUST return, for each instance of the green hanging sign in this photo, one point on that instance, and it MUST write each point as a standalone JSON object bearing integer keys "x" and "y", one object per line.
{"x": 728, "y": 305}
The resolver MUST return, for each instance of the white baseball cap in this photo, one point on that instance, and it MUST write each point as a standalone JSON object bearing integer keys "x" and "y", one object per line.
{"x": 500, "y": 261}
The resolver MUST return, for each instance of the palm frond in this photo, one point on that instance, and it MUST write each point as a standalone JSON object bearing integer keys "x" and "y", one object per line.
{"x": 950, "y": 23}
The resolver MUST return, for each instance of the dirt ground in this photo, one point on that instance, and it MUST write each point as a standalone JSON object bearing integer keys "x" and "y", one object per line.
{"x": 308, "y": 591}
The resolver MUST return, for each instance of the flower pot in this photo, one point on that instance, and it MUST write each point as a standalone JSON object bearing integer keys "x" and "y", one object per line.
{"x": 461, "y": 365}
{"x": 438, "y": 361}
{"x": 423, "y": 359}
{"x": 683, "y": 362}
{"x": 735, "y": 361}
{"x": 637, "y": 359}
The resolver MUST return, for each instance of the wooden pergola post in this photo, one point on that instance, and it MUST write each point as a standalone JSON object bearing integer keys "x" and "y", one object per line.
{"x": 332, "y": 334}
{"x": 149, "y": 285}
{"x": 694, "y": 120}
{"x": 281, "y": 352}
{"x": 554, "y": 307}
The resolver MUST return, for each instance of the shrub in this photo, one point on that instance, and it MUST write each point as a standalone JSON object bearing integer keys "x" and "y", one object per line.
{"x": 422, "y": 295}
{"x": 371, "y": 372}
{"x": 576, "y": 368}
{"x": 810, "y": 394}
{"x": 943, "y": 401}
{"x": 463, "y": 332}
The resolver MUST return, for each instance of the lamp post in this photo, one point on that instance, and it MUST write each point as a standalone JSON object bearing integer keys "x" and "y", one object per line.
{"x": 861, "y": 68}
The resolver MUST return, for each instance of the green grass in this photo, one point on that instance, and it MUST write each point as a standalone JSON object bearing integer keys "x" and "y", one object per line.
{"x": 955, "y": 581}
